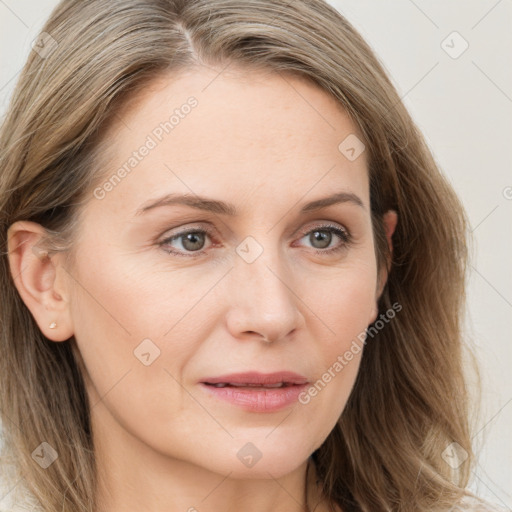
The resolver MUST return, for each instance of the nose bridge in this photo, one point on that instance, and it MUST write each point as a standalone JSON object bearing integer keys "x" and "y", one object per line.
{"x": 262, "y": 299}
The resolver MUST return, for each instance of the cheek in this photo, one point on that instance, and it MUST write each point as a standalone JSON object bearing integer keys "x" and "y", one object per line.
{"x": 132, "y": 371}
{"x": 342, "y": 307}
{"x": 132, "y": 299}
{"x": 136, "y": 328}
{"x": 343, "y": 301}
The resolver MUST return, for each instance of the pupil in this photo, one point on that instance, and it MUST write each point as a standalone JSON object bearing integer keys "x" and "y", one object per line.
{"x": 193, "y": 241}
{"x": 324, "y": 237}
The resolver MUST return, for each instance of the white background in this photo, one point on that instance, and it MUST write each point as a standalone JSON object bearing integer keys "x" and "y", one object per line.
{"x": 464, "y": 108}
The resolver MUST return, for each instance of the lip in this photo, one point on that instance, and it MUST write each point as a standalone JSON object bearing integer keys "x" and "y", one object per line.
{"x": 257, "y": 378}
{"x": 257, "y": 399}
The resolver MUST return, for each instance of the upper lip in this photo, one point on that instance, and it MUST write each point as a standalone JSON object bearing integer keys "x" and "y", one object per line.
{"x": 258, "y": 378}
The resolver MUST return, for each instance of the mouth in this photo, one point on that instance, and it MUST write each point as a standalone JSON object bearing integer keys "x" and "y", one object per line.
{"x": 257, "y": 392}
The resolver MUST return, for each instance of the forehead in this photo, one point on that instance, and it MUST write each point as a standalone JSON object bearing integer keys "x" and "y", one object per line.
{"x": 248, "y": 131}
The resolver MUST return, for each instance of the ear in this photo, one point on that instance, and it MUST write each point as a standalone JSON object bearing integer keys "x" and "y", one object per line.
{"x": 40, "y": 280}
{"x": 390, "y": 220}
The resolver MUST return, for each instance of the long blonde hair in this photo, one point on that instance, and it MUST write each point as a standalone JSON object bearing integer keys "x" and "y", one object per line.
{"x": 410, "y": 401}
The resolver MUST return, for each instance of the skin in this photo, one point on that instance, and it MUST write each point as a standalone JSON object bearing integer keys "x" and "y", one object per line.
{"x": 267, "y": 144}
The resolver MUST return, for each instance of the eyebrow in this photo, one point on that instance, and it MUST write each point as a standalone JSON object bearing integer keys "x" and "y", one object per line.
{"x": 222, "y": 208}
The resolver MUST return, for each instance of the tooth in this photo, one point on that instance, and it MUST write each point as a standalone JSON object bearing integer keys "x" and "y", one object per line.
{"x": 277, "y": 385}
{"x": 241, "y": 385}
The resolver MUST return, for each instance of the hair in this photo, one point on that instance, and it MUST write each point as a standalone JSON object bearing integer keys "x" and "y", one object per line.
{"x": 411, "y": 398}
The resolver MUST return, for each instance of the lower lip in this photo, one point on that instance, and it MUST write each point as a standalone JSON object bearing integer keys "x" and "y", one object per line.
{"x": 258, "y": 400}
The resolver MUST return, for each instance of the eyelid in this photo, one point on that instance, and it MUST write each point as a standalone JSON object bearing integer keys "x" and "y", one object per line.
{"x": 324, "y": 225}
{"x": 179, "y": 231}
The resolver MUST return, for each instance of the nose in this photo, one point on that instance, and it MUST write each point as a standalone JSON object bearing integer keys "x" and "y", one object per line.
{"x": 263, "y": 303}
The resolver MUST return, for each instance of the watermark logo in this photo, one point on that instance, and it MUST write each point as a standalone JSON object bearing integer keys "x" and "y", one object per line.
{"x": 454, "y": 45}
{"x": 44, "y": 44}
{"x": 249, "y": 455}
{"x": 454, "y": 455}
{"x": 45, "y": 455}
{"x": 351, "y": 147}
{"x": 146, "y": 352}
{"x": 249, "y": 250}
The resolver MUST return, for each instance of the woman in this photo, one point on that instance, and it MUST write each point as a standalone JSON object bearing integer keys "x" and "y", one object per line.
{"x": 233, "y": 273}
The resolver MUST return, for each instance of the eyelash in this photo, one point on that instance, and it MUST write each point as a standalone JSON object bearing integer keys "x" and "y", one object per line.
{"x": 340, "y": 232}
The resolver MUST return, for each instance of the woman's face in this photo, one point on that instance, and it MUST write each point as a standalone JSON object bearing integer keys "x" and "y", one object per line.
{"x": 241, "y": 269}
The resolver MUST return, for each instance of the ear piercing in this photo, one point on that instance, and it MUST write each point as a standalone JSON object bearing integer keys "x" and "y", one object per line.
{"x": 53, "y": 325}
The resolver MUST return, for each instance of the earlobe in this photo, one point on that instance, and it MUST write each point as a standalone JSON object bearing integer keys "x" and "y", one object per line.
{"x": 390, "y": 220}
{"x": 35, "y": 276}
{"x": 374, "y": 313}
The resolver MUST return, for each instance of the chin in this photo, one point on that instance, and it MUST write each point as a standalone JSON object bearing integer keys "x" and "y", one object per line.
{"x": 265, "y": 455}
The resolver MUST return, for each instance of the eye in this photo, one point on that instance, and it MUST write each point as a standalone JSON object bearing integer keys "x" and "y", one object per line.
{"x": 190, "y": 241}
{"x": 322, "y": 238}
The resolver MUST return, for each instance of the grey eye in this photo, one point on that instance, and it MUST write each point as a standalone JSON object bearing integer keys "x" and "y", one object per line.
{"x": 322, "y": 238}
